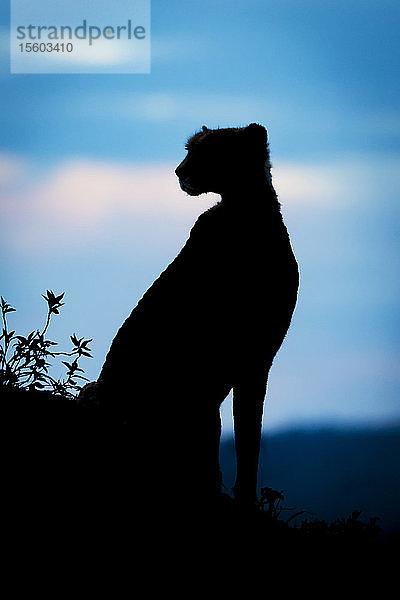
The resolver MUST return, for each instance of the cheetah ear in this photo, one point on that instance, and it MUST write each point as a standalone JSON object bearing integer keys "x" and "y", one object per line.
{"x": 257, "y": 132}
{"x": 204, "y": 129}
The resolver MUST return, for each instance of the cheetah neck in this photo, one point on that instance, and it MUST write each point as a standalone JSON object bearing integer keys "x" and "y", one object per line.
{"x": 257, "y": 192}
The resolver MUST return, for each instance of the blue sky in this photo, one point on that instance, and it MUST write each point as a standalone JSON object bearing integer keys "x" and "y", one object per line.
{"x": 90, "y": 205}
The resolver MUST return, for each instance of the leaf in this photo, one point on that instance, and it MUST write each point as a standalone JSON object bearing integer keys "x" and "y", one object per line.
{"x": 86, "y": 342}
{"x": 8, "y": 336}
{"x": 297, "y": 514}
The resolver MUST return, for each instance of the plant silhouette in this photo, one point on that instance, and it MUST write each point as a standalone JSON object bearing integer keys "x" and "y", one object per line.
{"x": 24, "y": 360}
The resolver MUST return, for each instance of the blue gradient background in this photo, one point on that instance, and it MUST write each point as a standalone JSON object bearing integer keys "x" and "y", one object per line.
{"x": 323, "y": 77}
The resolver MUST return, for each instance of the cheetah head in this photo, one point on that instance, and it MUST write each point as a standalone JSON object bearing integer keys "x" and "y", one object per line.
{"x": 219, "y": 159}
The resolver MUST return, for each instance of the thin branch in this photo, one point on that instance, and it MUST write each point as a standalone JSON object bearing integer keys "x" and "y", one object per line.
{"x": 47, "y": 322}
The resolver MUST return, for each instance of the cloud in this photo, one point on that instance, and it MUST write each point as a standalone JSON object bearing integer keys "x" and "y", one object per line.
{"x": 102, "y": 52}
{"x": 180, "y": 48}
{"x": 309, "y": 185}
{"x": 80, "y": 195}
{"x": 346, "y": 182}
{"x": 215, "y": 109}
{"x": 11, "y": 169}
{"x": 84, "y": 192}
{"x": 4, "y": 51}
{"x": 240, "y": 108}
{"x": 80, "y": 198}
{"x": 113, "y": 55}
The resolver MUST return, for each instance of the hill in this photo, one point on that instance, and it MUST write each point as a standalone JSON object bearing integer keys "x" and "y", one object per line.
{"x": 331, "y": 472}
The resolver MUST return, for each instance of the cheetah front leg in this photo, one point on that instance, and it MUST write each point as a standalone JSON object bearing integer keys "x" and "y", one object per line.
{"x": 248, "y": 402}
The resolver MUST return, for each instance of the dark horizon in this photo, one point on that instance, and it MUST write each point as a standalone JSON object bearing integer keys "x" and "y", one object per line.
{"x": 331, "y": 471}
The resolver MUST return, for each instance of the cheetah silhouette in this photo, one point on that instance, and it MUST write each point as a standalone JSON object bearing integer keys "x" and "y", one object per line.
{"x": 212, "y": 322}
